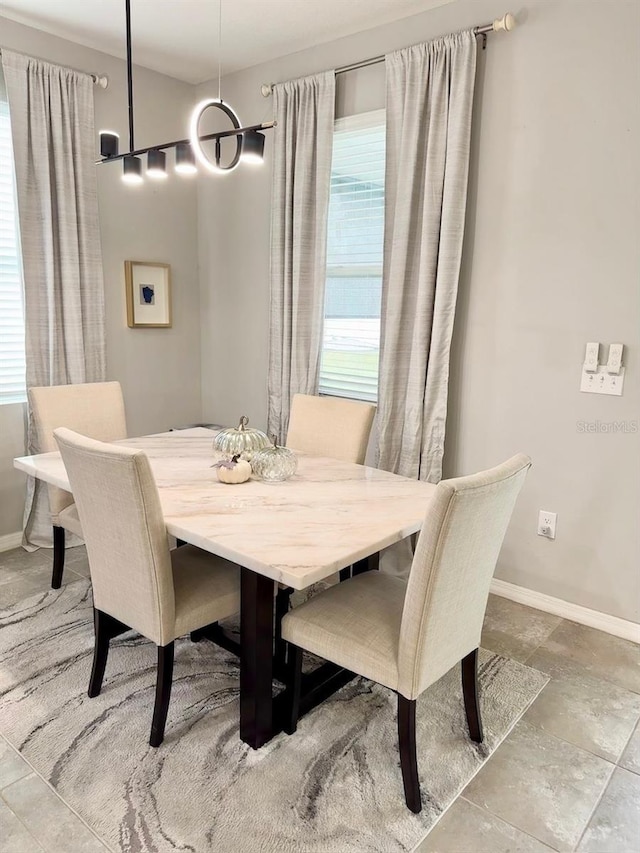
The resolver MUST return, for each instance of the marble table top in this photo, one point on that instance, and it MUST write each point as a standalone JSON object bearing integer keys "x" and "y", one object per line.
{"x": 326, "y": 517}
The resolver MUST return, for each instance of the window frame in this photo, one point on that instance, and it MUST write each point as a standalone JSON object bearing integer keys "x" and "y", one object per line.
{"x": 12, "y": 331}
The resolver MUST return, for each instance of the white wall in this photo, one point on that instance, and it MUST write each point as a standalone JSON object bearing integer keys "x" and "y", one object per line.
{"x": 159, "y": 368}
{"x": 551, "y": 261}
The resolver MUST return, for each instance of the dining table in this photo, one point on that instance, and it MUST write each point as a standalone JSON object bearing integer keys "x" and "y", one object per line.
{"x": 329, "y": 516}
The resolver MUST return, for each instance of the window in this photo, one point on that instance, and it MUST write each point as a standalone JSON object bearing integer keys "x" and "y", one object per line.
{"x": 351, "y": 340}
{"x": 12, "y": 358}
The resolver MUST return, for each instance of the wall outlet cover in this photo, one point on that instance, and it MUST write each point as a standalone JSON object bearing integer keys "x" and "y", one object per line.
{"x": 547, "y": 524}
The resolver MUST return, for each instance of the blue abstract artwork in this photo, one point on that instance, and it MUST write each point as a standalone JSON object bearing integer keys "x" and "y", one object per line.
{"x": 147, "y": 294}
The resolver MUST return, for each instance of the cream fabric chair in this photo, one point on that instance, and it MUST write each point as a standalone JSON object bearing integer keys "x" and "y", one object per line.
{"x": 137, "y": 582}
{"x": 323, "y": 426}
{"x": 95, "y": 409}
{"x": 330, "y": 426}
{"x": 406, "y": 635}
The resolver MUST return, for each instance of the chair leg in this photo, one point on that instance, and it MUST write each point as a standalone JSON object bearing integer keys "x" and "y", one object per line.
{"x": 105, "y": 628}
{"x": 294, "y": 683}
{"x": 408, "y": 756}
{"x": 163, "y": 693}
{"x": 100, "y": 652}
{"x": 283, "y": 596}
{"x": 469, "y": 666}
{"x": 58, "y": 556}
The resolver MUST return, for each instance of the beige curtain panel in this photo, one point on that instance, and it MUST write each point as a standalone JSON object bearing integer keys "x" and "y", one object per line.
{"x": 429, "y": 106}
{"x": 52, "y": 126}
{"x": 303, "y": 142}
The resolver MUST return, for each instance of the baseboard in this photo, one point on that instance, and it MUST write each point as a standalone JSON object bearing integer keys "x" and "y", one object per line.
{"x": 574, "y": 612}
{"x": 11, "y": 540}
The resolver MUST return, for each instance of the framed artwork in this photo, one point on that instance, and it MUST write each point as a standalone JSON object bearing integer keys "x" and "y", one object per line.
{"x": 148, "y": 288}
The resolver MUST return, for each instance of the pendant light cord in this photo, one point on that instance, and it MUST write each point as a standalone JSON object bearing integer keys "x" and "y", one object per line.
{"x": 219, "y": 49}
{"x": 127, "y": 8}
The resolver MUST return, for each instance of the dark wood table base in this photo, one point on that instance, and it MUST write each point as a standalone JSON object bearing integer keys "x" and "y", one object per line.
{"x": 215, "y": 634}
{"x": 262, "y": 715}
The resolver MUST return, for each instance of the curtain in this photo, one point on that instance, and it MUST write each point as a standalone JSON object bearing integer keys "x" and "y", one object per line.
{"x": 52, "y": 126}
{"x": 429, "y": 106}
{"x": 304, "y": 112}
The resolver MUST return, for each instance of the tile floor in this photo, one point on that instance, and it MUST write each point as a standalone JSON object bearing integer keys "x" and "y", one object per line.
{"x": 567, "y": 777}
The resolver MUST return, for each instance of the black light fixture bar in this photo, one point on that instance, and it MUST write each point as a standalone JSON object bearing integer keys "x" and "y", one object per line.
{"x": 156, "y": 159}
{"x": 165, "y": 145}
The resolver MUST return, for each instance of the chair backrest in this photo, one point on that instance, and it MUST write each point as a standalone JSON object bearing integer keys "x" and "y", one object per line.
{"x": 329, "y": 426}
{"x": 95, "y": 409}
{"x": 451, "y": 572}
{"x": 122, "y": 521}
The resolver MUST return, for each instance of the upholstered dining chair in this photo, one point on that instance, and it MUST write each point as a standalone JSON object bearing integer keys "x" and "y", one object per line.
{"x": 323, "y": 426}
{"x": 330, "y": 426}
{"x": 406, "y": 635}
{"x": 137, "y": 582}
{"x": 95, "y": 409}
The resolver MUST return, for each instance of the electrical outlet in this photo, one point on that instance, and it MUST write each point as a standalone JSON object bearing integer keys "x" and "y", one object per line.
{"x": 547, "y": 524}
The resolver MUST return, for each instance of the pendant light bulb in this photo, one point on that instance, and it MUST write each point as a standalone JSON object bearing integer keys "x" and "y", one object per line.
{"x": 109, "y": 141}
{"x": 132, "y": 170}
{"x": 185, "y": 161}
{"x": 157, "y": 165}
{"x": 253, "y": 148}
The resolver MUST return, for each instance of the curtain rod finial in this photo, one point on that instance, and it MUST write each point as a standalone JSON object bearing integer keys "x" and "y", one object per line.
{"x": 507, "y": 22}
{"x": 266, "y": 89}
{"x": 101, "y": 81}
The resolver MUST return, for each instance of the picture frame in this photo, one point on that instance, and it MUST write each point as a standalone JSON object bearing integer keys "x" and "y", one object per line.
{"x": 148, "y": 292}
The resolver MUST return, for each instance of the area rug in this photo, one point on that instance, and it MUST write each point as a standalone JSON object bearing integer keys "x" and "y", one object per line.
{"x": 333, "y": 787}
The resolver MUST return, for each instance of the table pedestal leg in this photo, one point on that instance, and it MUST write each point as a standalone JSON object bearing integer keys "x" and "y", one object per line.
{"x": 256, "y": 659}
{"x": 369, "y": 564}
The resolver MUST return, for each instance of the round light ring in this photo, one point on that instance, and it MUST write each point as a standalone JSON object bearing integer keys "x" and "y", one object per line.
{"x": 195, "y": 135}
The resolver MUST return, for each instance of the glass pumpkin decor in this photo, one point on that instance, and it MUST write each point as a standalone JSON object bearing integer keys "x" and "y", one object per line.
{"x": 242, "y": 440}
{"x": 274, "y": 464}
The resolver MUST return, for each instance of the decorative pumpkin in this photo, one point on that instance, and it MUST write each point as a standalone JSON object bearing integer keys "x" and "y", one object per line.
{"x": 274, "y": 464}
{"x": 235, "y": 470}
{"x": 241, "y": 440}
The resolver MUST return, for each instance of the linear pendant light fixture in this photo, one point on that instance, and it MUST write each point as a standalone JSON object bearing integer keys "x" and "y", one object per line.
{"x": 249, "y": 140}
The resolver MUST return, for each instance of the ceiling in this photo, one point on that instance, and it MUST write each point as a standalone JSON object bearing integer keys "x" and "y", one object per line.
{"x": 180, "y": 37}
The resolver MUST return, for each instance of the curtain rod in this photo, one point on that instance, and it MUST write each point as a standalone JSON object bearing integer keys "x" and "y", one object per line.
{"x": 507, "y": 23}
{"x": 99, "y": 79}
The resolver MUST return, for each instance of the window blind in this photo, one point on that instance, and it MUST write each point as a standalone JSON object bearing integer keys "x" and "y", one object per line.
{"x": 12, "y": 354}
{"x": 355, "y": 234}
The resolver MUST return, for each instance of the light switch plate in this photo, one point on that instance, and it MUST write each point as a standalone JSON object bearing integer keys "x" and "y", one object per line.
{"x": 602, "y": 382}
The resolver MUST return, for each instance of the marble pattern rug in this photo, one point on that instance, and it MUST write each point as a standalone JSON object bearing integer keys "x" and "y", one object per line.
{"x": 333, "y": 787}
